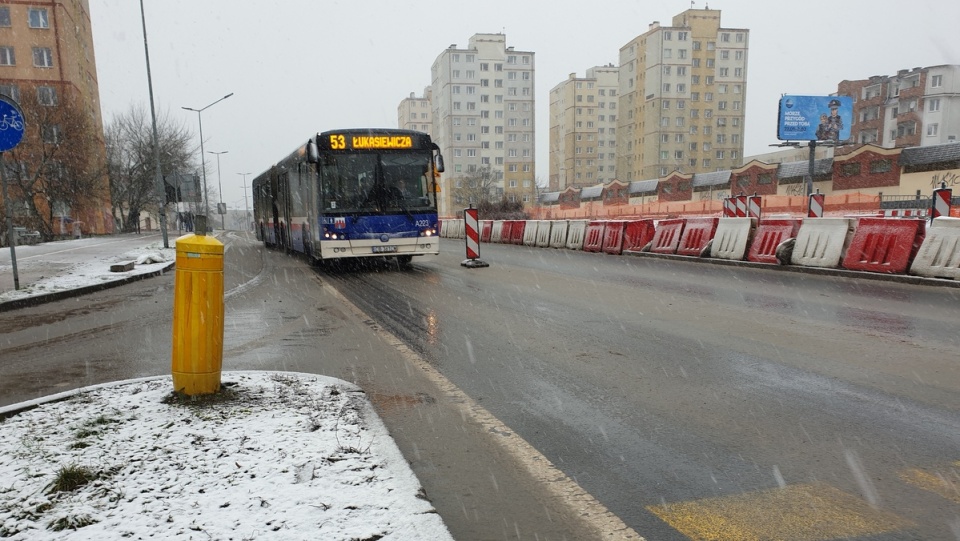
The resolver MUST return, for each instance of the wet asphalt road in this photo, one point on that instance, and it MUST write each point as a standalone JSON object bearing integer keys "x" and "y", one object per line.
{"x": 659, "y": 384}
{"x": 673, "y": 392}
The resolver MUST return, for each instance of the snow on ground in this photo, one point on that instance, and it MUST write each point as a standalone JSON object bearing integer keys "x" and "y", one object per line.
{"x": 275, "y": 455}
{"x": 151, "y": 258}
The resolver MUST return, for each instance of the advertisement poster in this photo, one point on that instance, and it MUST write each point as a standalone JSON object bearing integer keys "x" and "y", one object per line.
{"x": 815, "y": 118}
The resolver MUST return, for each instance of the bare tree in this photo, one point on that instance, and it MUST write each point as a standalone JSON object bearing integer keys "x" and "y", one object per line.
{"x": 56, "y": 167}
{"x": 476, "y": 187}
{"x": 130, "y": 160}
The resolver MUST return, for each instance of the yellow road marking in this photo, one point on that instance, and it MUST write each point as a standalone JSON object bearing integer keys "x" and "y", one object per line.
{"x": 816, "y": 512}
{"x": 943, "y": 485}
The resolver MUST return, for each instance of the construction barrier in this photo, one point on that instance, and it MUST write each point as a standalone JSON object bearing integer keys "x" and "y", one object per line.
{"x": 697, "y": 233}
{"x": 576, "y": 229}
{"x": 593, "y": 239}
{"x": 939, "y": 255}
{"x": 543, "y": 233}
{"x": 729, "y": 207}
{"x": 905, "y": 213}
{"x": 486, "y": 229}
{"x": 613, "y": 237}
{"x": 558, "y": 233}
{"x": 516, "y": 232}
{"x": 741, "y": 206}
{"x": 452, "y": 229}
{"x": 666, "y": 237}
{"x": 880, "y": 245}
{"x": 769, "y": 235}
{"x": 471, "y": 232}
{"x": 496, "y": 231}
{"x": 506, "y": 235}
{"x": 530, "y": 232}
{"x": 815, "y": 205}
{"x": 637, "y": 234}
{"x": 732, "y": 238}
{"x": 753, "y": 206}
{"x": 941, "y": 201}
{"x": 822, "y": 242}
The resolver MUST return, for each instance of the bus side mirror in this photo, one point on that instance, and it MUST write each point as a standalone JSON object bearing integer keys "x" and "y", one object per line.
{"x": 313, "y": 155}
{"x": 438, "y": 163}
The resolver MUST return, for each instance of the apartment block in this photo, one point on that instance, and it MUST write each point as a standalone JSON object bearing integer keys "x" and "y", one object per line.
{"x": 484, "y": 118}
{"x": 583, "y": 129}
{"x": 681, "y": 98}
{"x": 416, "y": 113}
{"x": 915, "y": 107}
{"x": 47, "y": 58}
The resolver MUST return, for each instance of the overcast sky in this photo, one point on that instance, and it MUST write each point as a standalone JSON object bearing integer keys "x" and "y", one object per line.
{"x": 297, "y": 67}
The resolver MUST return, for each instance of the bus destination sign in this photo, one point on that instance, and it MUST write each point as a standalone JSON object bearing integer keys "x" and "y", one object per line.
{"x": 339, "y": 141}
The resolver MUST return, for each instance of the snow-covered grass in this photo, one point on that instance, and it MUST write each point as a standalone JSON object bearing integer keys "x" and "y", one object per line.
{"x": 150, "y": 258}
{"x": 272, "y": 456}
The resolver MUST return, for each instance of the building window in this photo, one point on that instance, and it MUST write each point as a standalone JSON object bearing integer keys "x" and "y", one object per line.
{"x": 881, "y": 166}
{"x": 47, "y": 95}
{"x": 51, "y": 134}
{"x": 42, "y": 57}
{"x": 933, "y": 129}
{"x": 11, "y": 91}
{"x": 37, "y": 18}
{"x": 6, "y": 56}
{"x": 850, "y": 169}
{"x": 936, "y": 81}
{"x": 765, "y": 178}
{"x": 4, "y": 17}
{"x": 933, "y": 105}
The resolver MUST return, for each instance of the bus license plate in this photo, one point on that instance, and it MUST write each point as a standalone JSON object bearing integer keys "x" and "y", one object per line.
{"x": 384, "y": 249}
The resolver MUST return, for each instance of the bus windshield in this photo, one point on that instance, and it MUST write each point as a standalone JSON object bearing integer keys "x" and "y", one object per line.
{"x": 370, "y": 182}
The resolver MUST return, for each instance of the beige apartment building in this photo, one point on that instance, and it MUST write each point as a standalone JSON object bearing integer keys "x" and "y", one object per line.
{"x": 46, "y": 54}
{"x": 415, "y": 112}
{"x": 583, "y": 129}
{"x": 681, "y": 98}
{"x": 484, "y": 117}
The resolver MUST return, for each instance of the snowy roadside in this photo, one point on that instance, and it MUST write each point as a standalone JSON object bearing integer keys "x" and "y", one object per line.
{"x": 94, "y": 273}
{"x": 275, "y": 456}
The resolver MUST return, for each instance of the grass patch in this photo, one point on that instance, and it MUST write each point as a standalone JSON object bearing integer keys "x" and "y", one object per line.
{"x": 226, "y": 395}
{"x": 71, "y": 523}
{"x": 72, "y": 477}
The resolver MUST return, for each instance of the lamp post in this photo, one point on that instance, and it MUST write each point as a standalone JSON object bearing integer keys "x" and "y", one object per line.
{"x": 246, "y": 207}
{"x": 222, "y": 211}
{"x": 157, "y": 177}
{"x": 206, "y": 193}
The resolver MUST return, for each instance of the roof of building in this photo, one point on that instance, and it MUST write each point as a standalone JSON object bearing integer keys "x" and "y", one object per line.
{"x": 823, "y": 166}
{"x": 948, "y": 152}
{"x": 714, "y": 178}
{"x": 591, "y": 192}
{"x": 550, "y": 197}
{"x": 643, "y": 186}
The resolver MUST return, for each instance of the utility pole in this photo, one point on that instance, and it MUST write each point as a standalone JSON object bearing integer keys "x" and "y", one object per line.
{"x": 246, "y": 207}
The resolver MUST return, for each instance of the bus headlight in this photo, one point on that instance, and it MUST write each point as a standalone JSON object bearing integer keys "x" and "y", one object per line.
{"x": 428, "y": 232}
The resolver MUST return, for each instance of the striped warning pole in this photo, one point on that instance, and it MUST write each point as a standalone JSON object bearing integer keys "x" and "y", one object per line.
{"x": 741, "y": 206}
{"x": 815, "y": 208}
{"x": 471, "y": 223}
{"x": 753, "y": 206}
{"x": 941, "y": 201}
{"x": 729, "y": 207}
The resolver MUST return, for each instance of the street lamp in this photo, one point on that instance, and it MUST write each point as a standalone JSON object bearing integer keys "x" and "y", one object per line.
{"x": 222, "y": 211}
{"x": 246, "y": 207}
{"x": 206, "y": 198}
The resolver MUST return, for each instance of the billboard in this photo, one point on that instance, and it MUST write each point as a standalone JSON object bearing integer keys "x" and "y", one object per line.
{"x": 815, "y": 118}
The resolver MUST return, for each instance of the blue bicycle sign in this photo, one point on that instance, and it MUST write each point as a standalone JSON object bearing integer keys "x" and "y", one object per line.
{"x": 11, "y": 124}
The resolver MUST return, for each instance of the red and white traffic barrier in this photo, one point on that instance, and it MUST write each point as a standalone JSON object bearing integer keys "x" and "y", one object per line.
{"x": 941, "y": 201}
{"x": 815, "y": 207}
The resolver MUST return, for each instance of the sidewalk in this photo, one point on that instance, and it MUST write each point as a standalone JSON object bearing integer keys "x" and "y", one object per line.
{"x": 274, "y": 455}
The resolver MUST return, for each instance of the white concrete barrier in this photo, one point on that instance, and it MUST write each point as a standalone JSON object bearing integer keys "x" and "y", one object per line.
{"x": 530, "y": 232}
{"x": 456, "y": 229}
{"x": 732, "y": 238}
{"x": 558, "y": 233}
{"x": 496, "y": 234}
{"x": 543, "y": 233}
{"x": 939, "y": 255}
{"x": 576, "y": 230}
{"x": 821, "y": 242}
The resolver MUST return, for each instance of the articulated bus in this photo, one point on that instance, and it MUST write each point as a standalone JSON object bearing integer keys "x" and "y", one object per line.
{"x": 351, "y": 194}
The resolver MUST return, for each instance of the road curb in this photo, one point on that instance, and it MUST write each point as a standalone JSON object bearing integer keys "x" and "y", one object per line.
{"x": 35, "y": 300}
{"x": 820, "y": 271}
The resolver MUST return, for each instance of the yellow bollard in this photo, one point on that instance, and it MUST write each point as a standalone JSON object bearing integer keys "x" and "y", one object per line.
{"x": 198, "y": 315}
